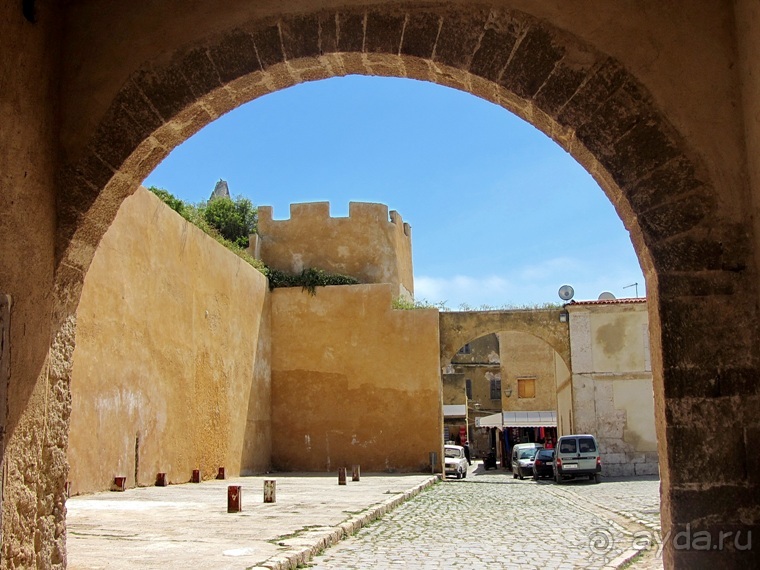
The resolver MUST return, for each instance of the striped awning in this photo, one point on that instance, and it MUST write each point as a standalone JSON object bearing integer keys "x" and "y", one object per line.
{"x": 519, "y": 419}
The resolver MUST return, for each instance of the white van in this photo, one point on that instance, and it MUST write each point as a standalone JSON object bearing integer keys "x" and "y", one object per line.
{"x": 522, "y": 459}
{"x": 577, "y": 456}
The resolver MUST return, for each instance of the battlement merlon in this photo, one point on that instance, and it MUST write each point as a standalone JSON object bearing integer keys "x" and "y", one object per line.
{"x": 360, "y": 211}
{"x": 372, "y": 244}
{"x": 396, "y": 219}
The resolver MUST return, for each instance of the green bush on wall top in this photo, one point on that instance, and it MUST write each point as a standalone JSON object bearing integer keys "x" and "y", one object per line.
{"x": 308, "y": 279}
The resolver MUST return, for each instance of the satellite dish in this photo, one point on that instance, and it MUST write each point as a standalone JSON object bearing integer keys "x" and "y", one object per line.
{"x": 566, "y": 292}
{"x": 606, "y": 296}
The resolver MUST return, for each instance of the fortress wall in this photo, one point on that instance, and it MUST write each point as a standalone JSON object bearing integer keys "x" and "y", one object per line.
{"x": 353, "y": 381}
{"x": 171, "y": 359}
{"x": 370, "y": 244}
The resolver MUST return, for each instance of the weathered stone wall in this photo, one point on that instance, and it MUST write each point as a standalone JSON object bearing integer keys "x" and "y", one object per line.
{"x": 460, "y": 327}
{"x": 564, "y": 389}
{"x": 454, "y": 389}
{"x": 34, "y": 406}
{"x": 612, "y": 384}
{"x": 481, "y": 365}
{"x": 171, "y": 365}
{"x": 353, "y": 381}
{"x": 370, "y": 244}
{"x": 528, "y": 357}
{"x": 455, "y": 412}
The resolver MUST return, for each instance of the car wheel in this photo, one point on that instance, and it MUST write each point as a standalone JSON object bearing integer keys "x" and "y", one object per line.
{"x": 459, "y": 475}
{"x": 597, "y": 478}
{"x": 520, "y": 473}
{"x": 558, "y": 479}
{"x": 535, "y": 476}
{"x": 514, "y": 475}
{"x": 464, "y": 474}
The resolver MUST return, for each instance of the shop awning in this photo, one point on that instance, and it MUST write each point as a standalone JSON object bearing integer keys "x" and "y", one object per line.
{"x": 454, "y": 410}
{"x": 494, "y": 420}
{"x": 519, "y": 419}
{"x": 529, "y": 419}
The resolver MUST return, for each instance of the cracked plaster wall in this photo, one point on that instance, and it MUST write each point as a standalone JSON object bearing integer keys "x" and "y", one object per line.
{"x": 612, "y": 385}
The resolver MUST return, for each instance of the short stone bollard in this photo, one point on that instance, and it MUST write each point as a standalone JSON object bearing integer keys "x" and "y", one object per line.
{"x": 270, "y": 487}
{"x": 220, "y": 473}
{"x": 196, "y": 476}
{"x": 234, "y": 498}
{"x": 119, "y": 484}
{"x": 161, "y": 480}
{"x": 355, "y": 473}
{"x": 341, "y": 476}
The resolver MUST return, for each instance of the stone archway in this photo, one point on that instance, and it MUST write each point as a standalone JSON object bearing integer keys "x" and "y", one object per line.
{"x": 457, "y": 328}
{"x": 695, "y": 262}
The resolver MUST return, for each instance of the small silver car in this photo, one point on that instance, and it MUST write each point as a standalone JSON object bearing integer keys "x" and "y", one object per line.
{"x": 577, "y": 456}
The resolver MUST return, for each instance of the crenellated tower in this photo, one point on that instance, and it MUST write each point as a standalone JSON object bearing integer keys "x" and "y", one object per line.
{"x": 371, "y": 244}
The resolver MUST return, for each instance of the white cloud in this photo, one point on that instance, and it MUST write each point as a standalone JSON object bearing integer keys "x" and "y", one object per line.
{"x": 458, "y": 289}
{"x": 550, "y": 268}
{"x": 531, "y": 284}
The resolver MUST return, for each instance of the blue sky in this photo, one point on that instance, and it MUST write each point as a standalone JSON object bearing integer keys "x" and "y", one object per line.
{"x": 500, "y": 213}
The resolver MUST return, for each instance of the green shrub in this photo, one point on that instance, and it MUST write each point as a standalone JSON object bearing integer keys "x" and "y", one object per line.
{"x": 308, "y": 279}
{"x": 234, "y": 219}
{"x": 242, "y": 213}
{"x": 406, "y": 304}
{"x": 173, "y": 202}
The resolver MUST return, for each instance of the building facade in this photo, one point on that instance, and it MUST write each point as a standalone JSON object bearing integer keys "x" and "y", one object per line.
{"x": 612, "y": 382}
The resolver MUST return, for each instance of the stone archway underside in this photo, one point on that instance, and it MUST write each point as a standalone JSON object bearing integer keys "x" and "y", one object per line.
{"x": 458, "y": 328}
{"x": 696, "y": 262}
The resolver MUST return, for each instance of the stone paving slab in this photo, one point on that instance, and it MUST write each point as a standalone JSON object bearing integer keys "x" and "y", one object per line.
{"x": 187, "y": 526}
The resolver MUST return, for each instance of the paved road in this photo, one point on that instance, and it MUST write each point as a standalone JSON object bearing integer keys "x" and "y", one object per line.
{"x": 490, "y": 520}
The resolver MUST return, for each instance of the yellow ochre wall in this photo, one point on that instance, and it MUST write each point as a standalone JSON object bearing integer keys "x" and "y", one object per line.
{"x": 353, "y": 381}
{"x": 526, "y": 356}
{"x": 171, "y": 349}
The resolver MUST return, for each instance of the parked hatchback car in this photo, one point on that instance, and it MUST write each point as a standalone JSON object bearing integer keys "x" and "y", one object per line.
{"x": 543, "y": 464}
{"x": 455, "y": 461}
{"x": 577, "y": 456}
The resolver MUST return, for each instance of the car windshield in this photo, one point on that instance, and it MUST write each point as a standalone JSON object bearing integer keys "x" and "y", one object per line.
{"x": 453, "y": 452}
{"x": 527, "y": 454}
{"x": 548, "y": 454}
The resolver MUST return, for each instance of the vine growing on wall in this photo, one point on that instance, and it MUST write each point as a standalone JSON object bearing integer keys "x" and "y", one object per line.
{"x": 308, "y": 279}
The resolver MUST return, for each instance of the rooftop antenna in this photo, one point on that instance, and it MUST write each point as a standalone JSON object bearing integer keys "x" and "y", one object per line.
{"x": 633, "y": 285}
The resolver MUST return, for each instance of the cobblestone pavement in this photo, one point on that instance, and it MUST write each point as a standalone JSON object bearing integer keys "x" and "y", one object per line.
{"x": 490, "y": 520}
